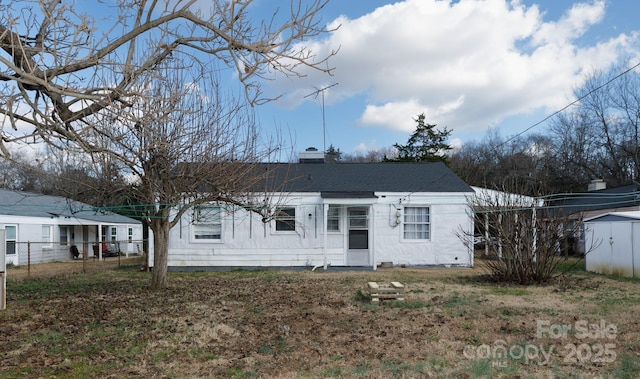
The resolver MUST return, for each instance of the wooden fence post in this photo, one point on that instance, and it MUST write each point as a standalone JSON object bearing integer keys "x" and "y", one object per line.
{"x": 3, "y": 271}
{"x": 28, "y": 259}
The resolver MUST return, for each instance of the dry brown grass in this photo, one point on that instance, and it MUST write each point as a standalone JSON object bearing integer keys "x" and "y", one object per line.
{"x": 288, "y": 324}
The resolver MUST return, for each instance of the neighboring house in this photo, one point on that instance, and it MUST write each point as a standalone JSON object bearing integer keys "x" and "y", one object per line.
{"x": 41, "y": 228}
{"x": 614, "y": 239}
{"x": 342, "y": 214}
{"x": 596, "y": 201}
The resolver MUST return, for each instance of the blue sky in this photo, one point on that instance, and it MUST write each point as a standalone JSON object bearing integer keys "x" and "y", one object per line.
{"x": 469, "y": 65}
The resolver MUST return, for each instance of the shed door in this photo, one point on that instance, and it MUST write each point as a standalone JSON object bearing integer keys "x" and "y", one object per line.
{"x": 621, "y": 247}
{"x": 598, "y": 247}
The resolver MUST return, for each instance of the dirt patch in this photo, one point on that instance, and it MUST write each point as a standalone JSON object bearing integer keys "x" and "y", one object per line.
{"x": 287, "y": 324}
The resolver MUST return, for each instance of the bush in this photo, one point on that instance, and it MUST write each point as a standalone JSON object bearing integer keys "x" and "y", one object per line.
{"x": 527, "y": 241}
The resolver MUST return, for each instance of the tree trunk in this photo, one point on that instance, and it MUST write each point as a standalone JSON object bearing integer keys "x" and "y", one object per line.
{"x": 160, "y": 228}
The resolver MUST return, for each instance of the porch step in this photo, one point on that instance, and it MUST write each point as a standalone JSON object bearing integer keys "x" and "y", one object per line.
{"x": 386, "y": 291}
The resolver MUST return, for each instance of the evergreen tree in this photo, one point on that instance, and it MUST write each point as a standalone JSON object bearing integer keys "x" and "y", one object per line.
{"x": 426, "y": 144}
{"x": 333, "y": 155}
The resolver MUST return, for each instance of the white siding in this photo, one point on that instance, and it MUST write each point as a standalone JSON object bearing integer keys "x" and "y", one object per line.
{"x": 29, "y": 229}
{"x": 248, "y": 242}
{"x": 448, "y": 215}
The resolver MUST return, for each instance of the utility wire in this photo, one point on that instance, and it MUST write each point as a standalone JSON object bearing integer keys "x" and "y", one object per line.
{"x": 555, "y": 201}
{"x": 571, "y": 104}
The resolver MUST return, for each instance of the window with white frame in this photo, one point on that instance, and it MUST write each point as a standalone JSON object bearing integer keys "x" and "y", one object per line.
{"x": 333, "y": 218}
{"x": 285, "y": 219}
{"x": 207, "y": 223}
{"x": 417, "y": 225}
{"x": 11, "y": 237}
{"x": 64, "y": 236}
{"x": 358, "y": 218}
{"x": 47, "y": 235}
{"x": 114, "y": 234}
{"x": 130, "y": 235}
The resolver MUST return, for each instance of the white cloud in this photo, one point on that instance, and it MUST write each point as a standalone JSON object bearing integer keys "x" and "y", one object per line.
{"x": 363, "y": 147}
{"x": 401, "y": 115}
{"x": 467, "y": 64}
{"x": 456, "y": 144}
{"x": 572, "y": 25}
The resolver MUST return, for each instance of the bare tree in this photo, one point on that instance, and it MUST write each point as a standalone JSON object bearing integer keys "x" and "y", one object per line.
{"x": 60, "y": 66}
{"x": 136, "y": 88}
{"x": 576, "y": 151}
{"x": 183, "y": 143}
{"x": 94, "y": 180}
{"x": 526, "y": 163}
{"x": 20, "y": 173}
{"x": 525, "y": 240}
{"x": 599, "y": 138}
{"x": 370, "y": 156}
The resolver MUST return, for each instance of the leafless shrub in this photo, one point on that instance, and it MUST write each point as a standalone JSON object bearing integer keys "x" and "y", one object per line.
{"x": 524, "y": 242}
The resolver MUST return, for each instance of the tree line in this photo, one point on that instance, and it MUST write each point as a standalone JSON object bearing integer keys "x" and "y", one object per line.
{"x": 597, "y": 137}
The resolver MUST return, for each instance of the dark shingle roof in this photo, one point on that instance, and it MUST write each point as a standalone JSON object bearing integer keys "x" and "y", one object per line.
{"x": 17, "y": 203}
{"x": 610, "y": 198}
{"x": 363, "y": 177}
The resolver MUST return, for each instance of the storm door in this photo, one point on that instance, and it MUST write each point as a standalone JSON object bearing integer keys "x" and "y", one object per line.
{"x": 358, "y": 236}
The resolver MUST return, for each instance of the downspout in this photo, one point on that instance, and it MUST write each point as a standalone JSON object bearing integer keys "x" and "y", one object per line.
{"x": 325, "y": 212}
{"x": 633, "y": 250}
{"x": 471, "y": 235}
{"x": 372, "y": 234}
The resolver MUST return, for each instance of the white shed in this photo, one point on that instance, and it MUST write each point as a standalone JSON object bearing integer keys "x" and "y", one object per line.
{"x": 612, "y": 243}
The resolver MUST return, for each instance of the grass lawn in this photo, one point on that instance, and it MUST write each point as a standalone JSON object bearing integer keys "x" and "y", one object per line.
{"x": 303, "y": 324}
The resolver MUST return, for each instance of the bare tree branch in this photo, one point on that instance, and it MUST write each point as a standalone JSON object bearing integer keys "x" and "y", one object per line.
{"x": 62, "y": 67}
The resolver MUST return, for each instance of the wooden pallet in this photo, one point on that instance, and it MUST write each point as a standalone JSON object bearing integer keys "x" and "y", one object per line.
{"x": 384, "y": 291}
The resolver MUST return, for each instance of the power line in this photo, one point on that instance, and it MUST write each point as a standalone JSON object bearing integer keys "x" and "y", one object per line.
{"x": 572, "y": 103}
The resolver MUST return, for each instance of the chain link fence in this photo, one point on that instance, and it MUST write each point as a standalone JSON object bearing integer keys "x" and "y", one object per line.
{"x": 30, "y": 253}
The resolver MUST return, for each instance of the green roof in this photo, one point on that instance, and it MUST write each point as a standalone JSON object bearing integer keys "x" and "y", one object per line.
{"x": 26, "y": 204}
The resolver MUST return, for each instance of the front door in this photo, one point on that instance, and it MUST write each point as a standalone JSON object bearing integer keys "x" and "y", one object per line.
{"x": 358, "y": 236}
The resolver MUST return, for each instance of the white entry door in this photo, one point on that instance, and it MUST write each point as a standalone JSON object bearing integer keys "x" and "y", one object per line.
{"x": 358, "y": 236}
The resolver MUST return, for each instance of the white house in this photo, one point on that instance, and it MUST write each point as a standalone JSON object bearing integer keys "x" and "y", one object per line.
{"x": 341, "y": 214}
{"x": 41, "y": 228}
{"x": 612, "y": 242}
